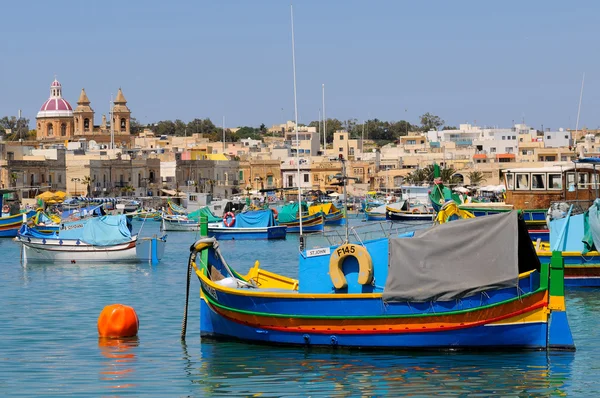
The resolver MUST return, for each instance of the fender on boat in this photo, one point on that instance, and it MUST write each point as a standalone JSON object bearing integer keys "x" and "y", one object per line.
{"x": 365, "y": 265}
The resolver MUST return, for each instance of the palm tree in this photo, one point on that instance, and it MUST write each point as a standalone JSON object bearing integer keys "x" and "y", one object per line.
{"x": 420, "y": 176}
{"x": 476, "y": 177}
{"x": 13, "y": 179}
{"x": 127, "y": 190}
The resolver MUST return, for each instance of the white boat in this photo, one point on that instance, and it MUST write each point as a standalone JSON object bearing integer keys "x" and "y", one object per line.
{"x": 95, "y": 239}
{"x": 178, "y": 223}
{"x": 75, "y": 251}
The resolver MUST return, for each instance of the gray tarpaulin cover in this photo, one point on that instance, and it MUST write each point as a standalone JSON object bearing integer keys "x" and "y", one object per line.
{"x": 454, "y": 260}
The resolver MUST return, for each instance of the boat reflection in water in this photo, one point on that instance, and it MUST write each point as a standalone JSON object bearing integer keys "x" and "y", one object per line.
{"x": 233, "y": 368}
{"x": 119, "y": 367}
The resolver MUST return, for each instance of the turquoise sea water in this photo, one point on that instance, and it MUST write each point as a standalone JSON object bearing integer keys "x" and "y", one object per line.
{"x": 49, "y": 343}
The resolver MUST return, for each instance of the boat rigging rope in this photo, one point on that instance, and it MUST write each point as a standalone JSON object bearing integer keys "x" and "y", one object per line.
{"x": 187, "y": 295}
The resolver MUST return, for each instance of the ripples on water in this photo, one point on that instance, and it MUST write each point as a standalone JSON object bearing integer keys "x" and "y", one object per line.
{"x": 49, "y": 343}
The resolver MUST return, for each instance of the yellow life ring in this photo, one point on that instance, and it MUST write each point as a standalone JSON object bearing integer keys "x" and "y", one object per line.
{"x": 365, "y": 265}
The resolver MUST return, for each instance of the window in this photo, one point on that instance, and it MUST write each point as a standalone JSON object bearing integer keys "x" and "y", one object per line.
{"x": 548, "y": 137}
{"x": 538, "y": 181}
{"x": 510, "y": 182}
{"x": 583, "y": 180}
{"x": 290, "y": 181}
{"x": 503, "y": 137}
{"x": 554, "y": 181}
{"x": 341, "y": 137}
{"x": 341, "y": 150}
{"x": 123, "y": 124}
{"x": 571, "y": 181}
{"x": 492, "y": 150}
{"x": 306, "y": 177}
{"x": 241, "y": 176}
{"x": 139, "y": 179}
{"x": 411, "y": 142}
{"x": 351, "y": 152}
{"x": 514, "y": 137}
{"x": 566, "y": 137}
{"x": 60, "y": 178}
{"x": 550, "y": 158}
{"x": 50, "y": 129}
{"x": 508, "y": 149}
{"x": 63, "y": 129}
{"x": 524, "y": 152}
{"x": 307, "y": 151}
{"x": 270, "y": 181}
{"x": 521, "y": 139}
{"x": 522, "y": 181}
{"x": 86, "y": 124}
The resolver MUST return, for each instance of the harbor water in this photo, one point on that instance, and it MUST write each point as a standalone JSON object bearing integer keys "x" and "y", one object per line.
{"x": 49, "y": 343}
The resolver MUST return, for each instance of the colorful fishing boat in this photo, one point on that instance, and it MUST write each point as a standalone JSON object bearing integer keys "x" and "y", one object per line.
{"x": 577, "y": 236}
{"x": 11, "y": 218}
{"x": 259, "y": 224}
{"x": 375, "y": 213}
{"x": 402, "y": 292}
{"x": 147, "y": 215}
{"x": 333, "y": 215}
{"x": 95, "y": 239}
{"x": 408, "y": 211}
{"x": 288, "y": 216}
{"x": 178, "y": 223}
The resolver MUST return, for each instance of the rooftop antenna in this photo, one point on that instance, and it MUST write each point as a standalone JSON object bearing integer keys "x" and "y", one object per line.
{"x": 579, "y": 107}
{"x": 296, "y": 130}
{"x": 112, "y": 124}
{"x": 324, "y": 121}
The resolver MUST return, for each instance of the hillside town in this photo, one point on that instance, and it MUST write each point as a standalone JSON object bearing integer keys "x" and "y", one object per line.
{"x": 70, "y": 152}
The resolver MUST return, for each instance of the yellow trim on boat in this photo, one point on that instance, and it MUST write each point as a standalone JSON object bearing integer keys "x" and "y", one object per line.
{"x": 569, "y": 254}
{"x": 292, "y": 293}
{"x": 539, "y": 315}
{"x": 557, "y": 303}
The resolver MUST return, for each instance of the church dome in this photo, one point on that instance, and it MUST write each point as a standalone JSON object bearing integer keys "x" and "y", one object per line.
{"x": 56, "y": 105}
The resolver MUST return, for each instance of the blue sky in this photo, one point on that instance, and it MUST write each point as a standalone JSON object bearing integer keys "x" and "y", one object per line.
{"x": 466, "y": 61}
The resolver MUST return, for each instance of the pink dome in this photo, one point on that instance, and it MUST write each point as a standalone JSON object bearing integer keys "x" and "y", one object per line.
{"x": 56, "y": 104}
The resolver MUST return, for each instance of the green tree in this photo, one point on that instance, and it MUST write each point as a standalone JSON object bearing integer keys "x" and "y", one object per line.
{"x": 134, "y": 126}
{"x": 19, "y": 128}
{"x": 248, "y": 132}
{"x": 426, "y": 175}
{"x": 449, "y": 128}
{"x": 332, "y": 126}
{"x": 476, "y": 177}
{"x": 164, "y": 127}
{"x": 431, "y": 122}
{"x": 180, "y": 128}
{"x": 263, "y": 128}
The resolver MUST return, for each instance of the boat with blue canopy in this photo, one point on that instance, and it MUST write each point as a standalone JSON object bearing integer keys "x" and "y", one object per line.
{"x": 408, "y": 291}
{"x": 92, "y": 239}
{"x": 258, "y": 224}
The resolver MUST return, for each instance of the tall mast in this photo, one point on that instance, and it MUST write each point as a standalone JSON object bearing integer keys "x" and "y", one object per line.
{"x": 296, "y": 129}
{"x": 579, "y": 107}
{"x": 324, "y": 122}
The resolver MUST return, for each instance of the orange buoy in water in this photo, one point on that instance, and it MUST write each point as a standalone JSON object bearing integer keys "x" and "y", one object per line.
{"x": 118, "y": 320}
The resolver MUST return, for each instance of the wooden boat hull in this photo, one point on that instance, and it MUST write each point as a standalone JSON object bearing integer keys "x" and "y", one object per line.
{"x": 9, "y": 225}
{"x": 374, "y": 216}
{"x": 581, "y": 270}
{"x": 336, "y": 218}
{"x": 224, "y": 233}
{"x": 409, "y": 216}
{"x": 353, "y": 321}
{"x": 179, "y": 225}
{"x": 314, "y": 223}
{"x": 56, "y": 250}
